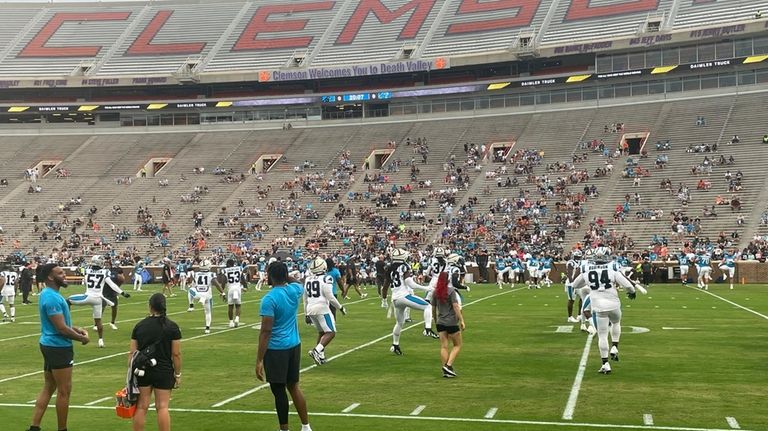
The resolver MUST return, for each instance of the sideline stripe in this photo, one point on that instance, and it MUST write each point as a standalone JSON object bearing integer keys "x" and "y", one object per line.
{"x": 118, "y": 322}
{"x": 34, "y": 373}
{"x": 100, "y": 400}
{"x": 420, "y": 418}
{"x": 570, "y": 406}
{"x": 648, "y": 419}
{"x": 354, "y": 349}
{"x": 730, "y": 302}
{"x": 491, "y": 413}
{"x": 351, "y": 407}
{"x": 417, "y": 411}
{"x": 732, "y": 422}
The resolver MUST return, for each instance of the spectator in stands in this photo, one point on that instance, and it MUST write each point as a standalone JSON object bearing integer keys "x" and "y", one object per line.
{"x": 765, "y": 139}
{"x": 700, "y": 121}
{"x": 735, "y": 139}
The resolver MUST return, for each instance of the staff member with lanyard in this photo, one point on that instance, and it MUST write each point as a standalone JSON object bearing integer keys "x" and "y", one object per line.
{"x": 279, "y": 351}
{"x": 166, "y": 374}
{"x": 56, "y": 338}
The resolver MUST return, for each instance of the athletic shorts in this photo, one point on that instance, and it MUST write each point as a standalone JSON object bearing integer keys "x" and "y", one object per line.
{"x": 9, "y": 298}
{"x": 234, "y": 295}
{"x": 323, "y": 322}
{"x": 92, "y": 300}
{"x": 158, "y": 379}
{"x": 452, "y": 329}
{"x": 282, "y": 366}
{"x": 57, "y": 358}
{"x": 569, "y": 292}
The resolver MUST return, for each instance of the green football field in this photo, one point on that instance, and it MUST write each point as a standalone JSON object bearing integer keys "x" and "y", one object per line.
{"x": 690, "y": 360}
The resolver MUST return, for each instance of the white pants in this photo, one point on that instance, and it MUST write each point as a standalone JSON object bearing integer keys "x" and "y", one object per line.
{"x": 704, "y": 273}
{"x": 323, "y": 322}
{"x": 569, "y": 291}
{"x": 92, "y": 300}
{"x": 728, "y": 271}
{"x": 404, "y": 303}
{"x": 603, "y": 319}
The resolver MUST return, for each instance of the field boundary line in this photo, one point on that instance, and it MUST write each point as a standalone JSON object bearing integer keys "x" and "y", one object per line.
{"x": 346, "y": 352}
{"x": 573, "y": 398}
{"x": 408, "y": 417}
{"x": 731, "y": 302}
{"x": 102, "y": 358}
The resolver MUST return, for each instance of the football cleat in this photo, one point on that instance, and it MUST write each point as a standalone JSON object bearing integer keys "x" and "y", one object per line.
{"x": 95, "y": 328}
{"x": 191, "y": 308}
{"x": 207, "y": 329}
{"x": 363, "y": 295}
{"x": 572, "y": 319}
{"x": 591, "y": 330}
{"x": 614, "y": 352}
{"x": 448, "y": 371}
{"x": 101, "y": 343}
{"x": 112, "y": 325}
{"x": 384, "y": 303}
{"x": 429, "y": 333}
{"x": 231, "y": 324}
{"x": 583, "y": 327}
{"x": 315, "y": 355}
{"x": 396, "y": 349}
{"x": 605, "y": 369}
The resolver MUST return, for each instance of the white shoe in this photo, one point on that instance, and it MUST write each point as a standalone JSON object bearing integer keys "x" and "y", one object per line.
{"x": 572, "y": 319}
{"x": 95, "y": 328}
{"x": 614, "y": 352}
{"x": 364, "y": 295}
{"x": 384, "y": 304}
{"x": 101, "y": 343}
{"x": 207, "y": 330}
{"x": 605, "y": 369}
{"x": 113, "y": 326}
{"x": 591, "y": 329}
{"x": 190, "y": 309}
{"x": 583, "y": 327}
{"x": 231, "y": 324}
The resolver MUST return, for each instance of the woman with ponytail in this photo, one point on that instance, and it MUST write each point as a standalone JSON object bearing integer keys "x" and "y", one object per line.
{"x": 158, "y": 331}
{"x": 449, "y": 322}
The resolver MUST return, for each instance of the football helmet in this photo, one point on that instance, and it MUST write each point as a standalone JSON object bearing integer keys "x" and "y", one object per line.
{"x": 318, "y": 266}
{"x": 438, "y": 251}
{"x": 205, "y": 265}
{"x": 453, "y": 258}
{"x": 400, "y": 255}
{"x": 98, "y": 261}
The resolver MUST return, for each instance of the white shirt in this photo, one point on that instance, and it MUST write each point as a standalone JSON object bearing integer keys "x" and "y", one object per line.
{"x": 10, "y": 277}
{"x": 95, "y": 279}
{"x": 318, "y": 295}
{"x": 603, "y": 281}
{"x": 203, "y": 281}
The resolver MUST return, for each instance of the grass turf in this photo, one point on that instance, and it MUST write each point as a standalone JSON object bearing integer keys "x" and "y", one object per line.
{"x": 513, "y": 361}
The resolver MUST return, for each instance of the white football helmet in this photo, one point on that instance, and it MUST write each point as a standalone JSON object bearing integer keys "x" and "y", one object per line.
{"x": 438, "y": 251}
{"x": 272, "y": 260}
{"x": 261, "y": 259}
{"x": 602, "y": 254}
{"x": 453, "y": 258}
{"x": 400, "y": 255}
{"x": 205, "y": 265}
{"x": 577, "y": 254}
{"x": 97, "y": 260}
{"x": 318, "y": 266}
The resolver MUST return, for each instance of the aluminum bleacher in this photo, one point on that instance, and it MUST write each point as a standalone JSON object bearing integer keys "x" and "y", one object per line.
{"x": 693, "y": 14}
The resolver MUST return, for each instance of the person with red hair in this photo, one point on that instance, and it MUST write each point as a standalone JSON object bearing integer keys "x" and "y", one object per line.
{"x": 449, "y": 322}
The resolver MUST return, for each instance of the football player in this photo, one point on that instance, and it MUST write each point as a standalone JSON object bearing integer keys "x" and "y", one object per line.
{"x": 8, "y": 280}
{"x": 684, "y": 260}
{"x": 571, "y": 272}
{"x": 545, "y": 267}
{"x": 501, "y": 269}
{"x": 235, "y": 284}
{"x": 703, "y": 265}
{"x": 403, "y": 297}
{"x": 533, "y": 272}
{"x": 94, "y": 280}
{"x": 598, "y": 283}
{"x": 201, "y": 291}
{"x": 318, "y": 298}
{"x": 138, "y": 270}
{"x": 728, "y": 266}
{"x": 116, "y": 275}
{"x": 262, "y": 267}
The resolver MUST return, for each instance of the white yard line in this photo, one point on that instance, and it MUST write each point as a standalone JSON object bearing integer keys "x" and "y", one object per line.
{"x": 106, "y": 325}
{"x": 491, "y": 413}
{"x": 570, "y": 406}
{"x": 99, "y": 401}
{"x": 344, "y": 353}
{"x": 351, "y": 407}
{"x": 730, "y": 302}
{"x": 648, "y": 419}
{"x": 417, "y": 411}
{"x": 732, "y": 422}
{"x": 418, "y": 418}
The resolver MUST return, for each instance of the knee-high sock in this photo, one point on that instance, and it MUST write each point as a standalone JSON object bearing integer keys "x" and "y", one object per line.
{"x": 13, "y": 310}
{"x": 191, "y": 297}
{"x": 407, "y": 312}
{"x": 428, "y": 317}
{"x": 399, "y": 320}
{"x": 207, "y": 309}
{"x": 615, "y": 332}
{"x": 2, "y": 308}
{"x": 602, "y": 336}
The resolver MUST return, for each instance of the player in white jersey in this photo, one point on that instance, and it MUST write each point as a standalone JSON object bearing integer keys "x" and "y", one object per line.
{"x": 94, "y": 280}
{"x": 456, "y": 271}
{"x": 571, "y": 272}
{"x": 8, "y": 280}
{"x": 403, "y": 284}
{"x": 318, "y": 298}
{"x": 234, "y": 283}
{"x": 202, "y": 292}
{"x": 598, "y": 285}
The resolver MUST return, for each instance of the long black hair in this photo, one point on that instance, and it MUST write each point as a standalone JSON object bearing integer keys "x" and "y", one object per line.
{"x": 157, "y": 304}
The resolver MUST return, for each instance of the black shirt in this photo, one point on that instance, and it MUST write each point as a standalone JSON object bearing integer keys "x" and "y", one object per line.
{"x": 380, "y": 267}
{"x": 152, "y": 329}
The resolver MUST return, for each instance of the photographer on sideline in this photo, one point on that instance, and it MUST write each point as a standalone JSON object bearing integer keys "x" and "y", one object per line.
{"x": 165, "y": 375}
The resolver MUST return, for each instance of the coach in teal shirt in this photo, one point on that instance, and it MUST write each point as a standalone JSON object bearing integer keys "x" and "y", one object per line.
{"x": 279, "y": 353}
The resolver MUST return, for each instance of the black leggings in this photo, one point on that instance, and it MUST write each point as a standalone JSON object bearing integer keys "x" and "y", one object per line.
{"x": 281, "y": 401}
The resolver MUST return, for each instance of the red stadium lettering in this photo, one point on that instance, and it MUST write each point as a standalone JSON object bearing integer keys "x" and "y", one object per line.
{"x": 581, "y": 9}
{"x": 526, "y": 9}
{"x": 260, "y": 24}
{"x": 36, "y": 47}
{"x": 420, "y": 8}
{"x": 143, "y": 44}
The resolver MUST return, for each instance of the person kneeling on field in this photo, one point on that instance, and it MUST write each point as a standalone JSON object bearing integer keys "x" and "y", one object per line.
{"x": 318, "y": 297}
